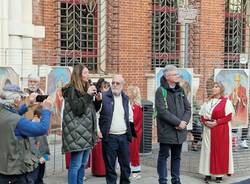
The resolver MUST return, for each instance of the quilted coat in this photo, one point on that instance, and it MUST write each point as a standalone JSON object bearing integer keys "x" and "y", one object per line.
{"x": 79, "y": 121}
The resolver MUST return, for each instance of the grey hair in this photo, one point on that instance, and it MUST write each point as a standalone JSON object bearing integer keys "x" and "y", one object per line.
{"x": 119, "y": 76}
{"x": 34, "y": 77}
{"x": 8, "y": 98}
{"x": 169, "y": 68}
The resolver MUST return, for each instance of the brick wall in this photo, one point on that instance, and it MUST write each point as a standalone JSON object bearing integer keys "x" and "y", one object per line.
{"x": 45, "y": 14}
{"x": 212, "y": 19}
{"x": 135, "y": 42}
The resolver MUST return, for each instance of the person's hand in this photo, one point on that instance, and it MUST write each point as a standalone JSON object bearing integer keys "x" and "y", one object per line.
{"x": 99, "y": 133}
{"x": 32, "y": 98}
{"x": 42, "y": 160}
{"x": 211, "y": 124}
{"x": 47, "y": 103}
{"x": 92, "y": 90}
{"x": 182, "y": 125}
{"x": 98, "y": 96}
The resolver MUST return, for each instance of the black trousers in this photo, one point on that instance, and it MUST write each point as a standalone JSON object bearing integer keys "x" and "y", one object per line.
{"x": 41, "y": 171}
{"x": 116, "y": 146}
{"x": 27, "y": 178}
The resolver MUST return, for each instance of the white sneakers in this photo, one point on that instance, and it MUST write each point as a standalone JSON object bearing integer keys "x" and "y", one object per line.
{"x": 135, "y": 176}
{"x": 243, "y": 144}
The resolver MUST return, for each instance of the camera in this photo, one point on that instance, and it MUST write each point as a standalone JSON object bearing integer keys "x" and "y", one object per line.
{"x": 41, "y": 98}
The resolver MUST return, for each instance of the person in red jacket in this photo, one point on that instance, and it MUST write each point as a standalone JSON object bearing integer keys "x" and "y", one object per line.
{"x": 135, "y": 101}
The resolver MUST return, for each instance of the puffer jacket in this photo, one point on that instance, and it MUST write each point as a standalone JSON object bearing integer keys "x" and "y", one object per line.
{"x": 169, "y": 116}
{"x": 79, "y": 121}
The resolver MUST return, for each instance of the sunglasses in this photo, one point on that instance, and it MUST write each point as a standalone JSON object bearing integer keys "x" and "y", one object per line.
{"x": 115, "y": 83}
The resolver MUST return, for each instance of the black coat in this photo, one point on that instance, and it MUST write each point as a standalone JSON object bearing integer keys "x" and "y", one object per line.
{"x": 168, "y": 118}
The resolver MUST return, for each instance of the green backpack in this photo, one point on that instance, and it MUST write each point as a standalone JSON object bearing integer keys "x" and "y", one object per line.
{"x": 164, "y": 94}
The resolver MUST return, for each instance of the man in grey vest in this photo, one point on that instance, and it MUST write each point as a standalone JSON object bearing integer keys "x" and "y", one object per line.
{"x": 18, "y": 164}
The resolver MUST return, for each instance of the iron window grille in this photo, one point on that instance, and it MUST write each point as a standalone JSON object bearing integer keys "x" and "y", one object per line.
{"x": 78, "y": 32}
{"x": 235, "y": 32}
{"x": 165, "y": 34}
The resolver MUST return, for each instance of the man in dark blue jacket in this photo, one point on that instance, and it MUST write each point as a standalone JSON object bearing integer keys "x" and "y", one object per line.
{"x": 114, "y": 122}
{"x": 18, "y": 164}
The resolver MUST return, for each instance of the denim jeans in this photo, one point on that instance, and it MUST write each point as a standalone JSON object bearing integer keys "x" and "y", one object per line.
{"x": 116, "y": 146}
{"x": 78, "y": 161}
{"x": 175, "y": 162}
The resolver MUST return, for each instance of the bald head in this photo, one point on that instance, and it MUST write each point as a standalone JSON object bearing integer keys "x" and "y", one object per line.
{"x": 117, "y": 84}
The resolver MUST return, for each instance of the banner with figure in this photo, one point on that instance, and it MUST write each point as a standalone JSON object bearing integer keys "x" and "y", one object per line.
{"x": 8, "y": 76}
{"x": 236, "y": 83}
{"x": 57, "y": 78}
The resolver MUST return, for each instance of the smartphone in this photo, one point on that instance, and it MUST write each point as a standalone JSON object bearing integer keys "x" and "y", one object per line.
{"x": 41, "y": 98}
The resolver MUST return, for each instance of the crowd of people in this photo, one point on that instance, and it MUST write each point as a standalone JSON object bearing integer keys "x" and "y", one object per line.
{"x": 105, "y": 114}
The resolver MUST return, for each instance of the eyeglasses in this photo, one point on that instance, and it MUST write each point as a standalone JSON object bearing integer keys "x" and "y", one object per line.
{"x": 174, "y": 74}
{"x": 115, "y": 83}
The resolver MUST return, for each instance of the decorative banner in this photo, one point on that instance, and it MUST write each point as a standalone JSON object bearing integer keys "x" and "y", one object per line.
{"x": 236, "y": 83}
{"x": 57, "y": 78}
{"x": 186, "y": 82}
{"x": 8, "y": 76}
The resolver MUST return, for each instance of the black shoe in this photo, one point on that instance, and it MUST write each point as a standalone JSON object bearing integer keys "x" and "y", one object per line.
{"x": 218, "y": 180}
{"x": 207, "y": 179}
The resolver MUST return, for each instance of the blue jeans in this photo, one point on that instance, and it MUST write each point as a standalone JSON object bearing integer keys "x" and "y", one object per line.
{"x": 175, "y": 162}
{"x": 78, "y": 161}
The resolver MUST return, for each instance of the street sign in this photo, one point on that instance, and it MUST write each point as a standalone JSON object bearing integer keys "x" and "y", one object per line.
{"x": 187, "y": 15}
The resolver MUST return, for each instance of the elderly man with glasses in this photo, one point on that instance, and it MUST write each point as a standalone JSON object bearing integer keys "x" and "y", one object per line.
{"x": 115, "y": 118}
{"x": 173, "y": 115}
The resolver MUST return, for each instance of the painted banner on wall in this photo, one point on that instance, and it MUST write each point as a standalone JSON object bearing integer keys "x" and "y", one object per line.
{"x": 57, "y": 78}
{"x": 236, "y": 83}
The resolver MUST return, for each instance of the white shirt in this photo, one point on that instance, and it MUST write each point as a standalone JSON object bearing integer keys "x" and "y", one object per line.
{"x": 118, "y": 124}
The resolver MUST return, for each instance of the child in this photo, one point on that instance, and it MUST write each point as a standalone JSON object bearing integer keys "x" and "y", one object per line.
{"x": 40, "y": 148}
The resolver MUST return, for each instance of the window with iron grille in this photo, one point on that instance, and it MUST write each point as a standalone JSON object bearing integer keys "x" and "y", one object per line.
{"x": 165, "y": 34}
{"x": 235, "y": 32}
{"x": 78, "y": 32}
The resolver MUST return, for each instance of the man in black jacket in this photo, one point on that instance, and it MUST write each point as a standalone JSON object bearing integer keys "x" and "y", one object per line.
{"x": 173, "y": 114}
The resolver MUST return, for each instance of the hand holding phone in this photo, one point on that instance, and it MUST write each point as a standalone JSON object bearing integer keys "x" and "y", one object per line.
{"x": 41, "y": 98}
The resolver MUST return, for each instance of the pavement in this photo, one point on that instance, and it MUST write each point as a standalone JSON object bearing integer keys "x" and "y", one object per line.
{"x": 149, "y": 176}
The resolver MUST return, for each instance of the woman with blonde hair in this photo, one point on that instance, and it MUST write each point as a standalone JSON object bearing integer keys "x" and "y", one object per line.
{"x": 135, "y": 101}
{"x": 216, "y": 157}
